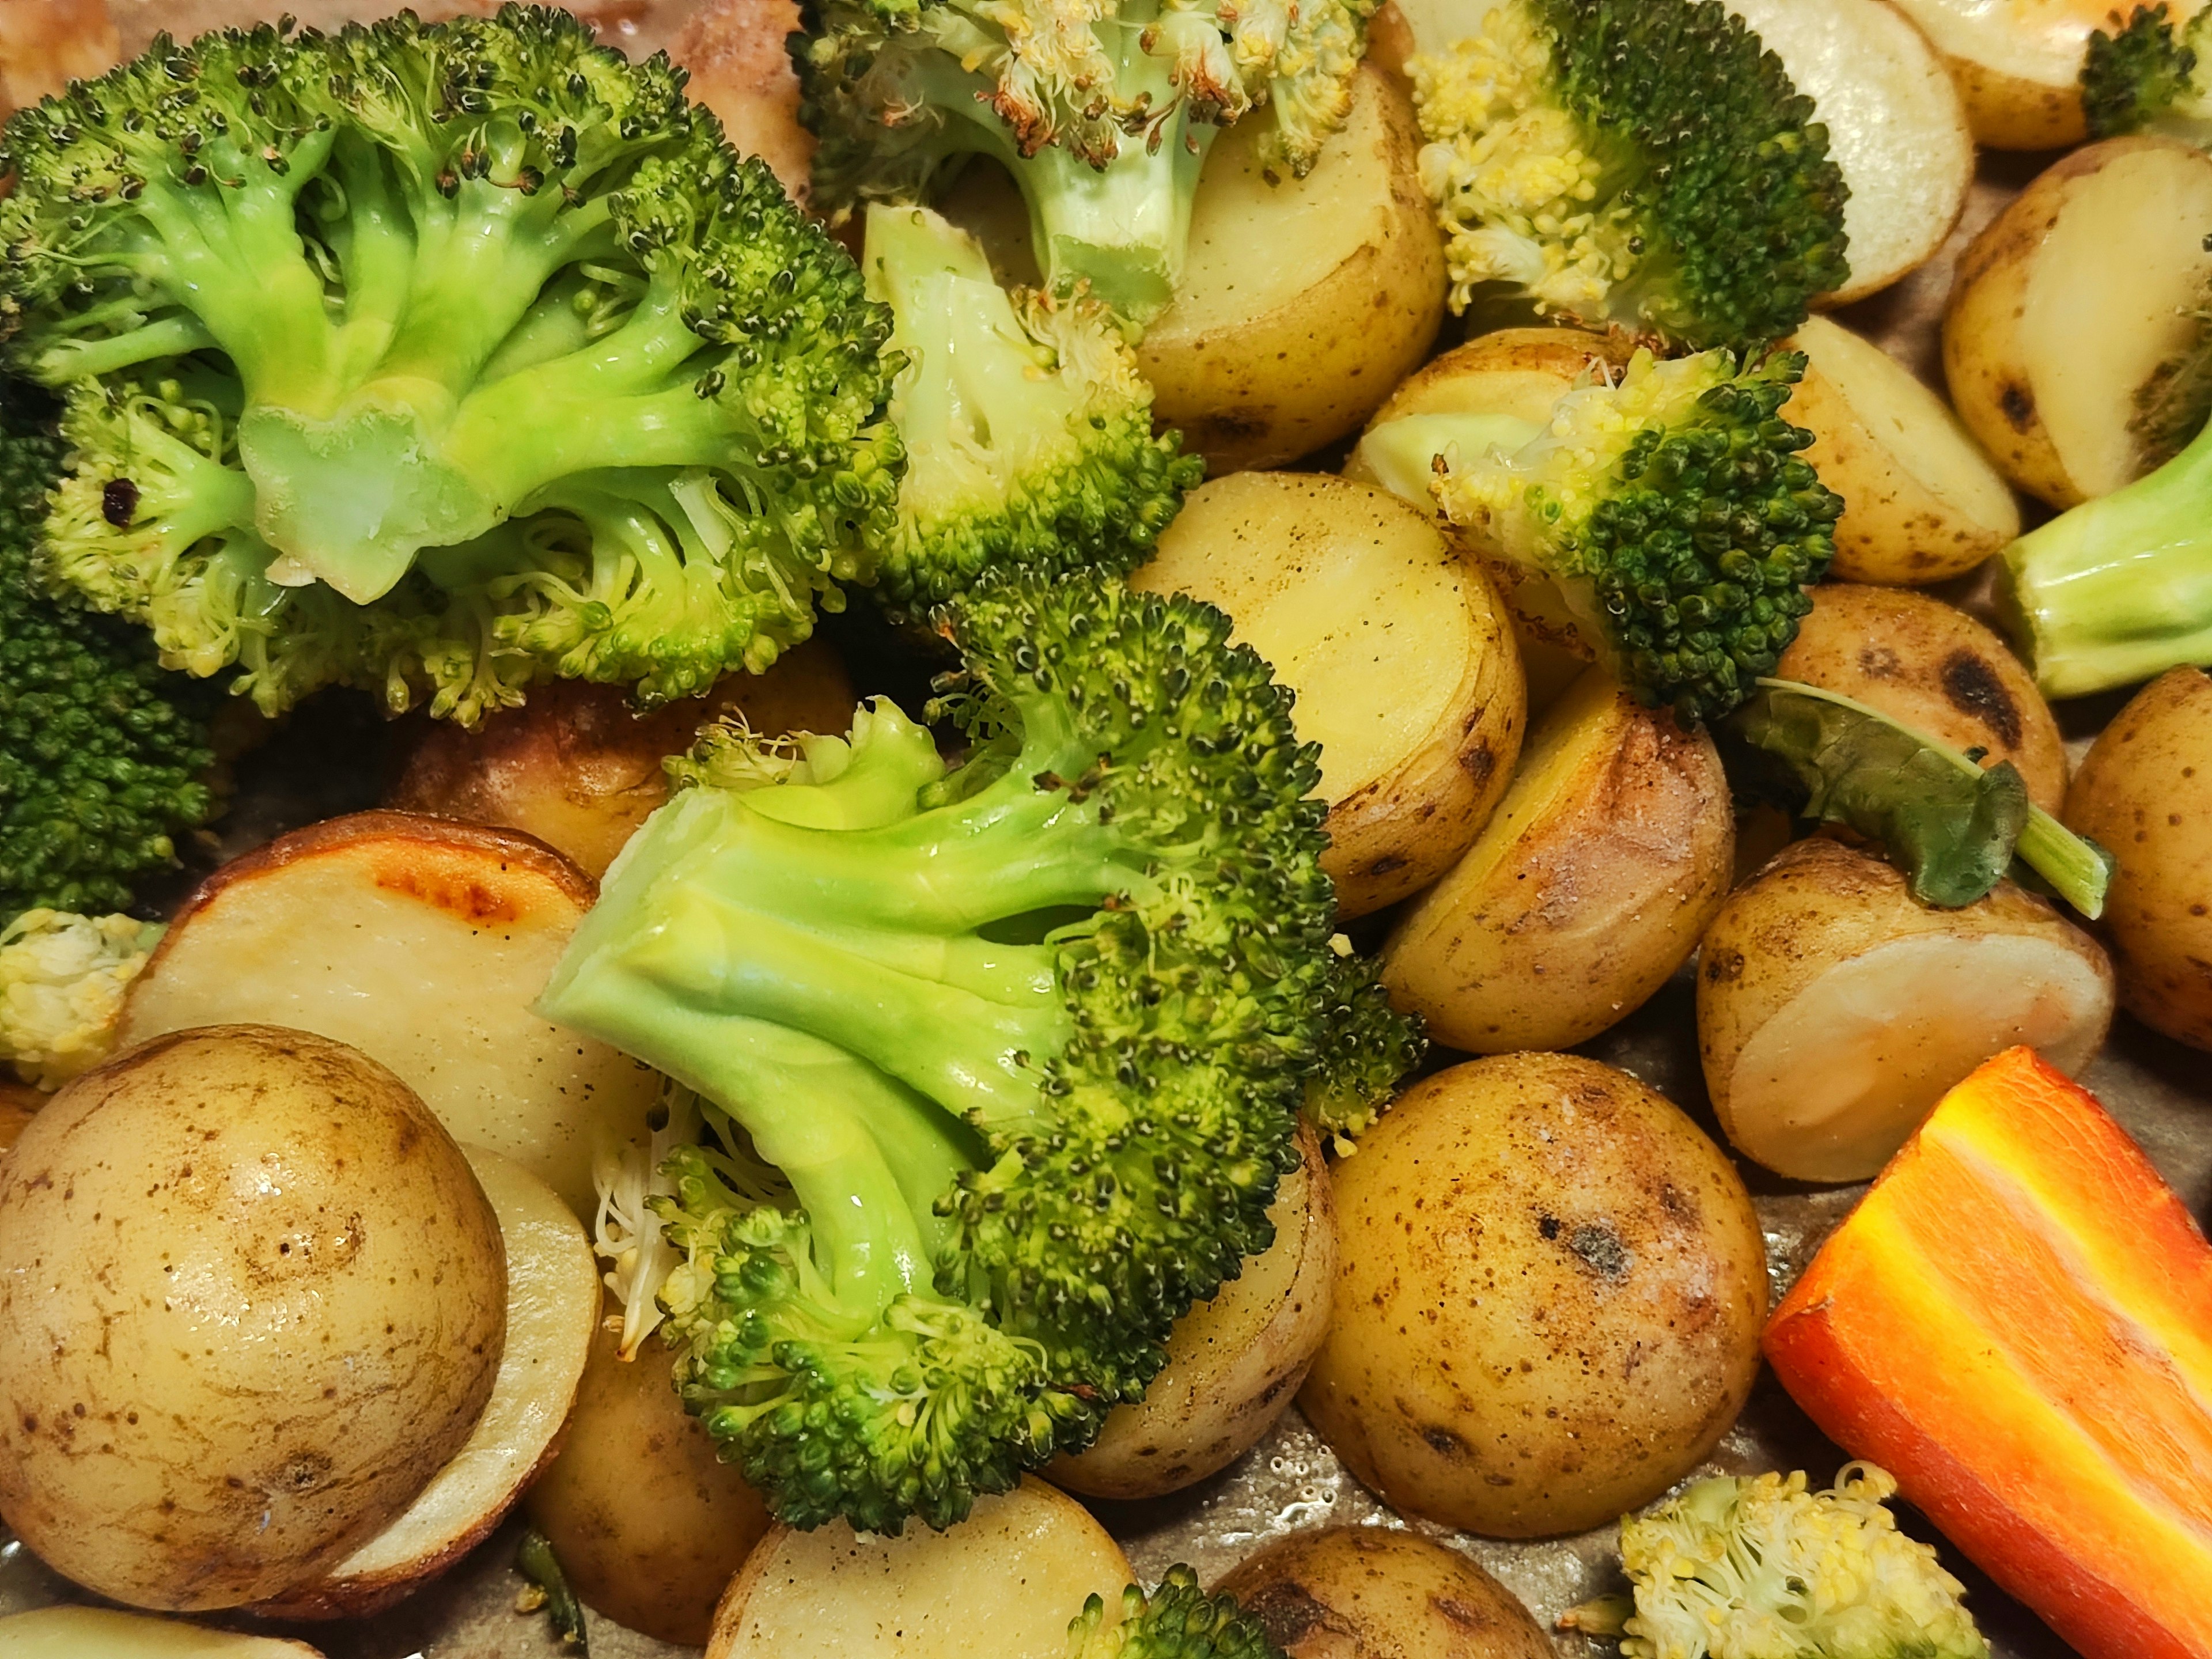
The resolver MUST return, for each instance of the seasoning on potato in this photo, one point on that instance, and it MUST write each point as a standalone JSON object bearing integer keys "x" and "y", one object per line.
{"x": 1549, "y": 1300}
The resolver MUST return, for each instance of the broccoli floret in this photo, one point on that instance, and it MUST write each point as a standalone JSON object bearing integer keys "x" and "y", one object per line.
{"x": 1671, "y": 512}
{"x": 1178, "y": 1621}
{"x": 1102, "y": 112}
{"x": 1639, "y": 162}
{"x": 1367, "y": 1048}
{"x": 2144, "y": 77}
{"x": 62, "y": 981}
{"x": 1001, "y": 1064}
{"x": 1028, "y": 429}
{"x": 1760, "y": 1568}
{"x": 436, "y": 358}
{"x": 2120, "y": 589}
{"x": 101, "y": 752}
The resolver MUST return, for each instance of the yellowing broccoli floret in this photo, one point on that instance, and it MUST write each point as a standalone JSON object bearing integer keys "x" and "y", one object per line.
{"x": 62, "y": 980}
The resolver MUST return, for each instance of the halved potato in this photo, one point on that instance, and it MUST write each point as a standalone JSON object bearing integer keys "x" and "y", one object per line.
{"x": 1922, "y": 503}
{"x": 1234, "y": 1364}
{"x": 1586, "y": 889}
{"x": 576, "y": 767}
{"x": 1021, "y": 1566}
{"x": 2017, "y": 63}
{"x": 1834, "y": 1009}
{"x": 422, "y": 943}
{"x": 72, "y": 1632}
{"x": 552, "y": 1308}
{"x": 2071, "y": 313}
{"x": 1400, "y": 654}
{"x": 1896, "y": 126}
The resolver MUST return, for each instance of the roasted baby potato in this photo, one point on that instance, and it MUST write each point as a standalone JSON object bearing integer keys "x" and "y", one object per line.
{"x": 1549, "y": 1300}
{"x": 1587, "y": 888}
{"x": 255, "y": 1300}
{"x": 1922, "y": 503}
{"x": 422, "y": 943}
{"x": 2145, "y": 791}
{"x": 1930, "y": 666}
{"x": 1834, "y": 1009}
{"x": 2073, "y": 314}
{"x": 1234, "y": 1364}
{"x": 1371, "y": 1593}
{"x": 73, "y": 1632}
{"x": 2017, "y": 63}
{"x": 1401, "y": 656}
{"x": 648, "y": 1525}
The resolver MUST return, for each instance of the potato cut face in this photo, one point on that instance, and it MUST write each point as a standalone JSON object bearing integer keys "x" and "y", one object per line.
{"x": 423, "y": 944}
{"x": 2109, "y": 301}
{"x": 70, "y": 1633}
{"x": 1833, "y": 1083}
{"x": 1025, "y": 1560}
{"x": 2037, "y": 40}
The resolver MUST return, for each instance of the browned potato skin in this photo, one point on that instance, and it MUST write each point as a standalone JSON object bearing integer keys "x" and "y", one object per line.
{"x": 1369, "y": 1593}
{"x": 648, "y": 1525}
{"x": 575, "y": 766}
{"x": 1549, "y": 1302}
{"x": 2145, "y": 791}
{"x": 19, "y": 1103}
{"x": 741, "y": 69}
{"x": 1509, "y": 371}
{"x": 1932, "y": 666}
{"x": 2008, "y": 113}
{"x": 353, "y": 1294}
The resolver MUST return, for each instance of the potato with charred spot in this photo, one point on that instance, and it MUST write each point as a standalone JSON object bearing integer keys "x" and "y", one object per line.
{"x": 1370, "y": 1593}
{"x": 1548, "y": 1302}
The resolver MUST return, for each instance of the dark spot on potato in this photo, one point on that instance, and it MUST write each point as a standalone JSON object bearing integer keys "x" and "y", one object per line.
{"x": 1548, "y": 1226}
{"x": 1974, "y": 690}
{"x": 1723, "y": 967}
{"x": 1479, "y": 762}
{"x": 1600, "y": 1249}
{"x": 1290, "y": 1612}
{"x": 1879, "y": 662}
{"x": 1459, "y": 1613}
{"x": 1385, "y": 865}
{"x": 1444, "y": 1441}
{"x": 2019, "y": 405}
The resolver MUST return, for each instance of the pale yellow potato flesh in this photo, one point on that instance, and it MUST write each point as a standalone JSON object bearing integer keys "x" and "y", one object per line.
{"x": 71, "y": 1632}
{"x": 1377, "y": 1593}
{"x": 1022, "y": 1564}
{"x": 2017, "y": 63}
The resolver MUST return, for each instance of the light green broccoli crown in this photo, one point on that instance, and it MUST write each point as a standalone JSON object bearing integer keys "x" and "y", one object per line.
{"x": 472, "y": 326}
{"x": 1178, "y": 1621}
{"x": 1028, "y": 429}
{"x": 1102, "y": 111}
{"x": 62, "y": 981}
{"x": 1673, "y": 513}
{"x": 1639, "y": 162}
{"x": 1367, "y": 1048}
{"x": 2147, "y": 77}
{"x": 1763, "y": 1569}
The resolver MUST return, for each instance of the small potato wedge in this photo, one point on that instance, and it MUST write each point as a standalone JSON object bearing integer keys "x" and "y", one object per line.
{"x": 72, "y": 1632}
{"x": 1588, "y": 887}
{"x": 1401, "y": 656}
{"x": 1922, "y": 503}
{"x": 2075, "y": 314}
{"x": 1024, "y": 1563}
{"x": 1930, "y": 666}
{"x": 1373, "y": 1593}
{"x": 1896, "y": 126}
{"x": 578, "y": 769}
{"x": 1234, "y": 1364}
{"x": 2145, "y": 791}
{"x": 422, "y": 943}
{"x": 648, "y": 1525}
{"x": 1834, "y": 1010}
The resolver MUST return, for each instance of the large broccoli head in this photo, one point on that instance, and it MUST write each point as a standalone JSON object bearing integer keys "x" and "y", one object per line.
{"x": 439, "y": 357}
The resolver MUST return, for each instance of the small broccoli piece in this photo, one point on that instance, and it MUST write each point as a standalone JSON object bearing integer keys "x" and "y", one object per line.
{"x": 2120, "y": 589}
{"x": 1102, "y": 112}
{"x": 101, "y": 752}
{"x": 1671, "y": 512}
{"x": 1178, "y": 1621}
{"x": 548, "y": 1591}
{"x": 1028, "y": 429}
{"x": 2145, "y": 77}
{"x": 1763, "y": 1568}
{"x": 1367, "y": 1048}
{"x": 435, "y": 358}
{"x": 998, "y": 1066}
{"x": 62, "y": 981}
{"x": 1644, "y": 163}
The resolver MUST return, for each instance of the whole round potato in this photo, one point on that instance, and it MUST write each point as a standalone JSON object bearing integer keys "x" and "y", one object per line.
{"x": 1548, "y": 1301}
{"x": 1370, "y": 1593}
{"x": 2145, "y": 791}
{"x": 254, "y": 1299}
{"x": 649, "y": 1526}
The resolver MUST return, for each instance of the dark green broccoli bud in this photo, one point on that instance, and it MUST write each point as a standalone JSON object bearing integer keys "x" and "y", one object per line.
{"x": 1640, "y": 162}
{"x": 435, "y": 358}
{"x": 1668, "y": 518}
{"x": 102, "y": 752}
{"x": 1021, "y": 1045}
{"x": 1102, "y": 112}
{"x": 1028, "y": 429}
{"x": 1368, "y": 1047}
{"x": 1178, "y": 1621}
{"x": 2144, "y": 77}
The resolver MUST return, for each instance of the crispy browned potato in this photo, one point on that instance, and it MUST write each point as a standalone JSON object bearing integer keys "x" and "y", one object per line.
{"x": 1549, "y": 1300}
{"x": 1930, "y": 666}
{"x": 1373, "y": 1593}
{"x": 575, "y": 766}
{"x": 741, "y": 69}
